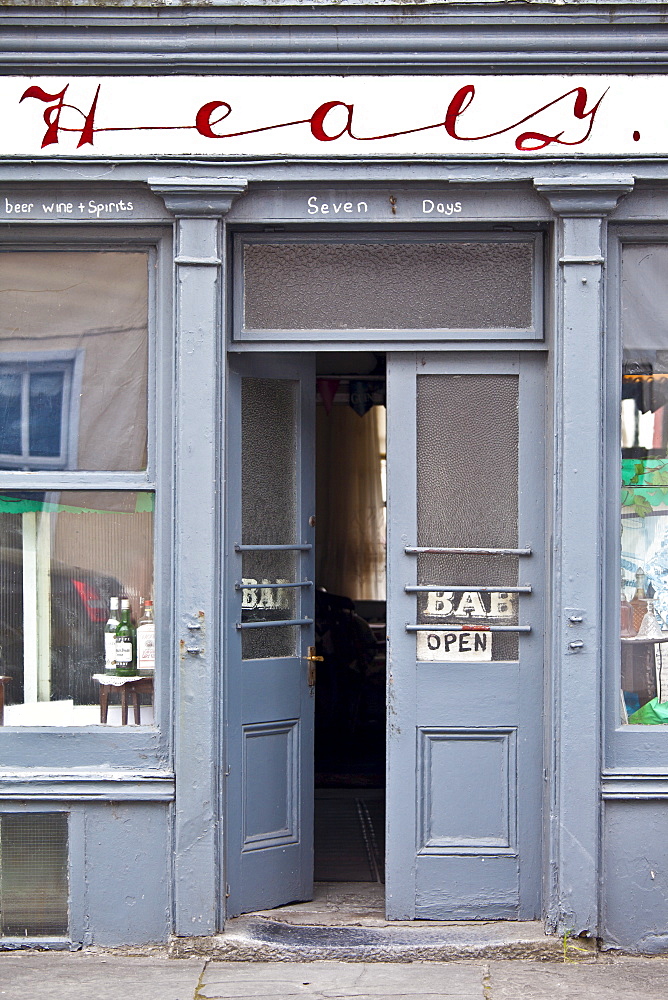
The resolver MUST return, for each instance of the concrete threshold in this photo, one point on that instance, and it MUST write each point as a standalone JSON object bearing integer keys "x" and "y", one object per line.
{"x": 346, "y": 922}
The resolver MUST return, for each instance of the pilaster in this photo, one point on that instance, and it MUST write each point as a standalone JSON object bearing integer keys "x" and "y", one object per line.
{"x": 573, "y": 761}
{"x": 199, "y": 207}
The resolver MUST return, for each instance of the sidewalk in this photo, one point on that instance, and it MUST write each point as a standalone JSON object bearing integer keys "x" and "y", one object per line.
{"x": 86, "y": 976}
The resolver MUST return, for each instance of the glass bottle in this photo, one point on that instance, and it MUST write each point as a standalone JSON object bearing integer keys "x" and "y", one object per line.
{"x": 146, "y": 639}
{"x": 125, "y": 645}
{"x": 110, "y": 636}
{"x": 626, "y": 614}
{"x": 639, "y": 600}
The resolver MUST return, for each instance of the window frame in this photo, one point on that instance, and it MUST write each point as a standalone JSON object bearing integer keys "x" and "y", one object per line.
{"x": 96, "y": 745}
{"x": 633, "y": 748}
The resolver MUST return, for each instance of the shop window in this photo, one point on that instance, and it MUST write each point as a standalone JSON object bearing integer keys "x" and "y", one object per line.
{"x": 33, "y": 875}
{"x": 644, "y": 474}
{"x": 74, "y": 401}
{"x": 63, "y": 557}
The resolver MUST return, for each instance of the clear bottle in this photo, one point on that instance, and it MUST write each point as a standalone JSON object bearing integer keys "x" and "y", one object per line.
{"x": 626, "y": 614}
{"x": 125, "y": 644}
{"x": 639, "y": 600}
{"x": 110, "y": 636}
{"x": 146, "y": 639}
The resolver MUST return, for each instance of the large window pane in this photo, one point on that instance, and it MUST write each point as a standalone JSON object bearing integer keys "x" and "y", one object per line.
{"x": 63, "y": 556}
{"x": 73, "y": 360}
{"x": 644, "y": 498}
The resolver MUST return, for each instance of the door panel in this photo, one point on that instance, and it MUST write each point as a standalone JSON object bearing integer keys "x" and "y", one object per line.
{"x": 269, "y": 625}
{"x": 465, "y": 656}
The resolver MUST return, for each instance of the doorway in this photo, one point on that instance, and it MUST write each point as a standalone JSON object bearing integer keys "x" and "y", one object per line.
{"x": 464, "y": 614}
{"x": 350, "y": 622}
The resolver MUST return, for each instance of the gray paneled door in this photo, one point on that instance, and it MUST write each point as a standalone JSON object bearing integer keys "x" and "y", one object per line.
{"x": 269, "y": 628}
{"x": 466, "y": 471}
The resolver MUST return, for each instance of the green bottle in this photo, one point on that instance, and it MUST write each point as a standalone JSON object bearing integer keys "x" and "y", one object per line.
{"x": 126, "y": 647}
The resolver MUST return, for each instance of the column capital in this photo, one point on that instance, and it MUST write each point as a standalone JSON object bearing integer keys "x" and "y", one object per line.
{"x": 198, "y": 198}
{"x": 591, "y": 196}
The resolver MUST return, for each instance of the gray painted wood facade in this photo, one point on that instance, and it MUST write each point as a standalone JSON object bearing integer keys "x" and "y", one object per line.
{"x": 595, "y": 829}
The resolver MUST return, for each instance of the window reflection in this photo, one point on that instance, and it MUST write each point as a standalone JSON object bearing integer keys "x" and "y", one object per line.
{"x": 73, "y": 360}
{"x": 644, "y": 496}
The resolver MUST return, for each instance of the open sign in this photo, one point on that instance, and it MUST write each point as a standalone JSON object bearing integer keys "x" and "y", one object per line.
{"x": 454, "y": 646}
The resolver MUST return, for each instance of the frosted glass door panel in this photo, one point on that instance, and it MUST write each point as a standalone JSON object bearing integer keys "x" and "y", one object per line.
{"x": 472, "y": 285}
{"x": 269, "y": 506}
{"x": 467, "y": 464}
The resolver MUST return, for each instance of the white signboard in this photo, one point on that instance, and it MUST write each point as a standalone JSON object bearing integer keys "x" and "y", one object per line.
{"x": 454, "y": 646}
{"x": 332, "y": 116}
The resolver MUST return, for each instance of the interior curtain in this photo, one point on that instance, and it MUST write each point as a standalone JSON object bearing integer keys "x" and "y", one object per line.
{"x": 350, "y": 521}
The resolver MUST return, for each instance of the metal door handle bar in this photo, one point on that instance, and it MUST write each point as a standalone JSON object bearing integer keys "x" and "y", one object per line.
{"x": 440, "y": 550}
{"x": 273, "y": 624}
{"x": 306, "y": 547}
{"x": 274, "y": 586}
{"x": 439, "y": 588}
{"x": 468, "y": 628}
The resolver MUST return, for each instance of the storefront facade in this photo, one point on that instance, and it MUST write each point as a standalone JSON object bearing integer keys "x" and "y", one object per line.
{"x": 213, "y": 217}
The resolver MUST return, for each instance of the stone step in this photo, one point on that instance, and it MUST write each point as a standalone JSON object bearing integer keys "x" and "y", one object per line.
{"x": 255, "y": 938}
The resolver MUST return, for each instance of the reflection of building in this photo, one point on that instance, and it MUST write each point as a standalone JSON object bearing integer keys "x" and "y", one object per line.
{"x": 40, "y": 395}
{"x": 381, "y": 209}
{"x": 73, "y": 355}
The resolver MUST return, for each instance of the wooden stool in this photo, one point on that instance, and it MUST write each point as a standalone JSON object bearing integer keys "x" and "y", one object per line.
{"x": 132, "y": 686}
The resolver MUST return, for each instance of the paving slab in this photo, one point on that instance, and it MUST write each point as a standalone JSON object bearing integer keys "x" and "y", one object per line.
{"x": 615, "y": 979}
{"x": 334, "y": 980}
{"x": 105, "y": 976}
{"x": 81, "y": 976}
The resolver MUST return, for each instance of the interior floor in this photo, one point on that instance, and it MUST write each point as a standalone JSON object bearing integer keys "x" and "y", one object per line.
{"x": 335, "y": 904}
{"x": 349, "y": 835}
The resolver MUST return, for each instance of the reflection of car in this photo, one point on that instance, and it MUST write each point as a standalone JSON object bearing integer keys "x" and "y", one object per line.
{"x": 79, "y": 609}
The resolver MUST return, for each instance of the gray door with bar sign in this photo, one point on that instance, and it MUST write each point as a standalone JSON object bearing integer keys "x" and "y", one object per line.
{"x": 269, "y": 632}
{"x": 466, "y": 468}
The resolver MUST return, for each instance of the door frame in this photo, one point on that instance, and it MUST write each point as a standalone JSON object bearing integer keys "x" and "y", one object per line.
{"x": 533, "y": 369}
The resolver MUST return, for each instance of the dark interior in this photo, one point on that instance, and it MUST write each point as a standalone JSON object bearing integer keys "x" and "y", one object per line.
{"x": 350, "y": 714}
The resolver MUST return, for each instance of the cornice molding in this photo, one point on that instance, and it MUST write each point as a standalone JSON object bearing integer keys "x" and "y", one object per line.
{"x": 204, "y": 198}
{"x": 215, "y": 38}
{"x": 36, "y": 784}
{"x": 577, "y": 197}
{"x": 633, "y": 785}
